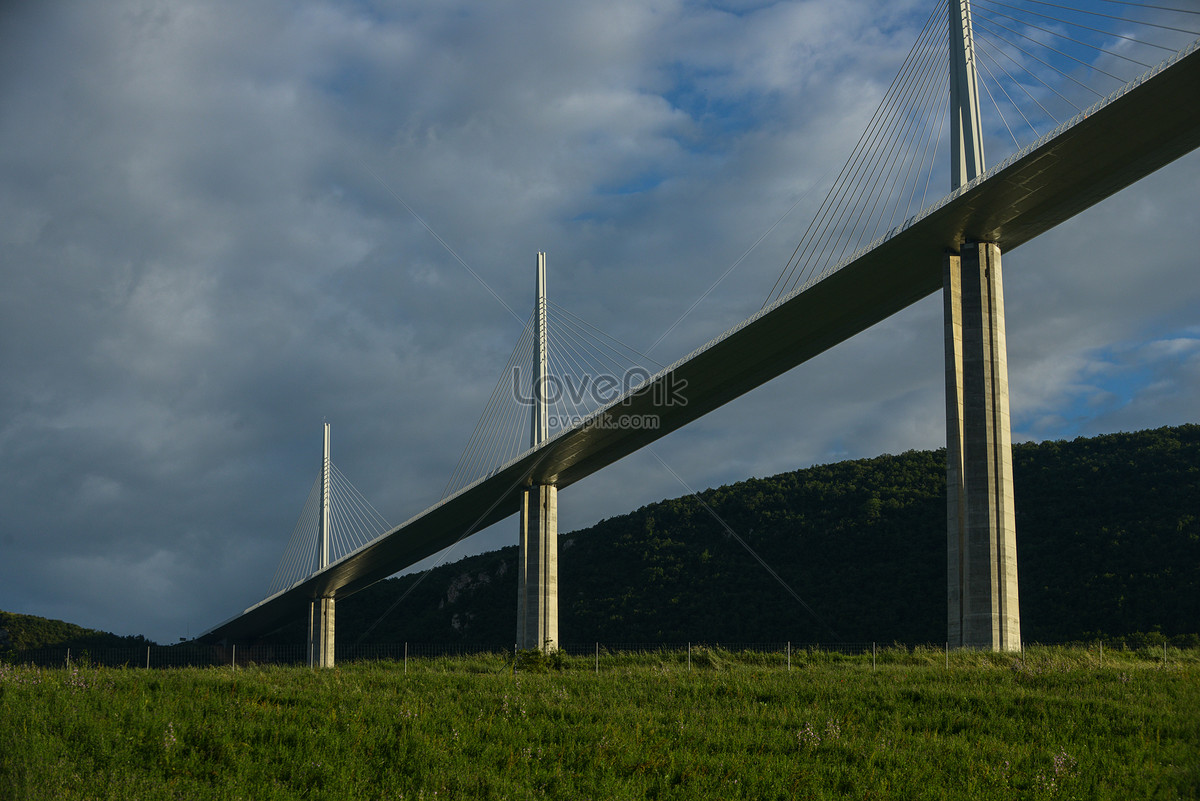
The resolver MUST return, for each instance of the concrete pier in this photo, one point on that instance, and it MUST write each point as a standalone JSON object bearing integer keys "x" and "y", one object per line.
{"x": 537, "y": 601}
{"x": 320, "y": 637}
{"x": 983, "y": 609}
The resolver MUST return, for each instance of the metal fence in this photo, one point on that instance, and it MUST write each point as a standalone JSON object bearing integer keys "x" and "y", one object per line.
{"x": 197, "y": 655}
{"x": 596, "y": 653}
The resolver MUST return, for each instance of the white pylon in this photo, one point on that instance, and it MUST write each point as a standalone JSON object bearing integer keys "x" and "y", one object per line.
{"x": 966, "y": 131}
{"x": 541, "y": 421}
{"x": 323, "y": 559}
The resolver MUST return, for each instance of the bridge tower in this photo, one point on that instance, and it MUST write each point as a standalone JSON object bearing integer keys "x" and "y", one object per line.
{"x": 320, "y": 614}
{"x": 537, "y": 553}
{"x": 982, "y": 603}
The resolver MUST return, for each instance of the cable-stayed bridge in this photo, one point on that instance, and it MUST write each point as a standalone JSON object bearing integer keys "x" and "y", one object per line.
{"x": 862, "y": 259}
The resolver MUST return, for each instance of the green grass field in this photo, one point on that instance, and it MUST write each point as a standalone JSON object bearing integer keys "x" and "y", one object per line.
{"x": 1053, "y": 725}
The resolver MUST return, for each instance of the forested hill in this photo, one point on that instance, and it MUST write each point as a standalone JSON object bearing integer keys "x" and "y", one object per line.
{"x": 1108, "y": 541}
{"x": 20, "y": 632}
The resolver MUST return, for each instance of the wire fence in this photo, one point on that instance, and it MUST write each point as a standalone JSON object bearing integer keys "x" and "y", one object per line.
{"x": 596, "y": 655}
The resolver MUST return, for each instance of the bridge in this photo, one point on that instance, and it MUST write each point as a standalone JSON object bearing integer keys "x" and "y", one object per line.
{"x": 954, "y": 245}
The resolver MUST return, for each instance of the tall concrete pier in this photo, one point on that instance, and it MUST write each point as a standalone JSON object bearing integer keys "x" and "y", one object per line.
{"x": 983, "y": 609}
{"x": 320, "y": 615}
{"x": 537, "y": 554}
{"x": 537, "y": 605}
{"x": 320, "y": 634}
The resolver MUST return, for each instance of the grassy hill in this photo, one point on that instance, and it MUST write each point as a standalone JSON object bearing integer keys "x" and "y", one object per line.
{"x": 1108, "y": 538}
{"x": 1049, "y": 725}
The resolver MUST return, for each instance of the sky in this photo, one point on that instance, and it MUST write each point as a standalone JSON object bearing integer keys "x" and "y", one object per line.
{"x": 223, "y": 223}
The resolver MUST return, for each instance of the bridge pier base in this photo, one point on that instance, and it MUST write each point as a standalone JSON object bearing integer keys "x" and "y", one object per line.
{"x": 320, "y": 633}
{"x": 537, "y": 579}
{"x": 983, "y": 606}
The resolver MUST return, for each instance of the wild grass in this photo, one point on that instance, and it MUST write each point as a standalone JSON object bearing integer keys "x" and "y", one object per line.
{"x": 1054, "y": 724}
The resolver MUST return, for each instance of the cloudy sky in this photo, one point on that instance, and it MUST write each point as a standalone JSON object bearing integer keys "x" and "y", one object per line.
{"x": 215, "y": 233}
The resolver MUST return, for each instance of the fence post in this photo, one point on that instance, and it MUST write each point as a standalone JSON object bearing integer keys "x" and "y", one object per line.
{"x": 406, "y": 658}
{"x": 68, "y": 657}
{"x": 872, "y": 657}
{"x": 233, "y": 658}
{"x": 689, "y": 656}
{"x": 947, "y": 655}
{"x": 789, "y": 652}
{"x": 598, "y": 658}
{"x": 1102, "y": 653}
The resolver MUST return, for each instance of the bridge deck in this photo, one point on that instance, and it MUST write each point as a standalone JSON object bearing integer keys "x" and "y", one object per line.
{"x": 1131, "y": 136}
